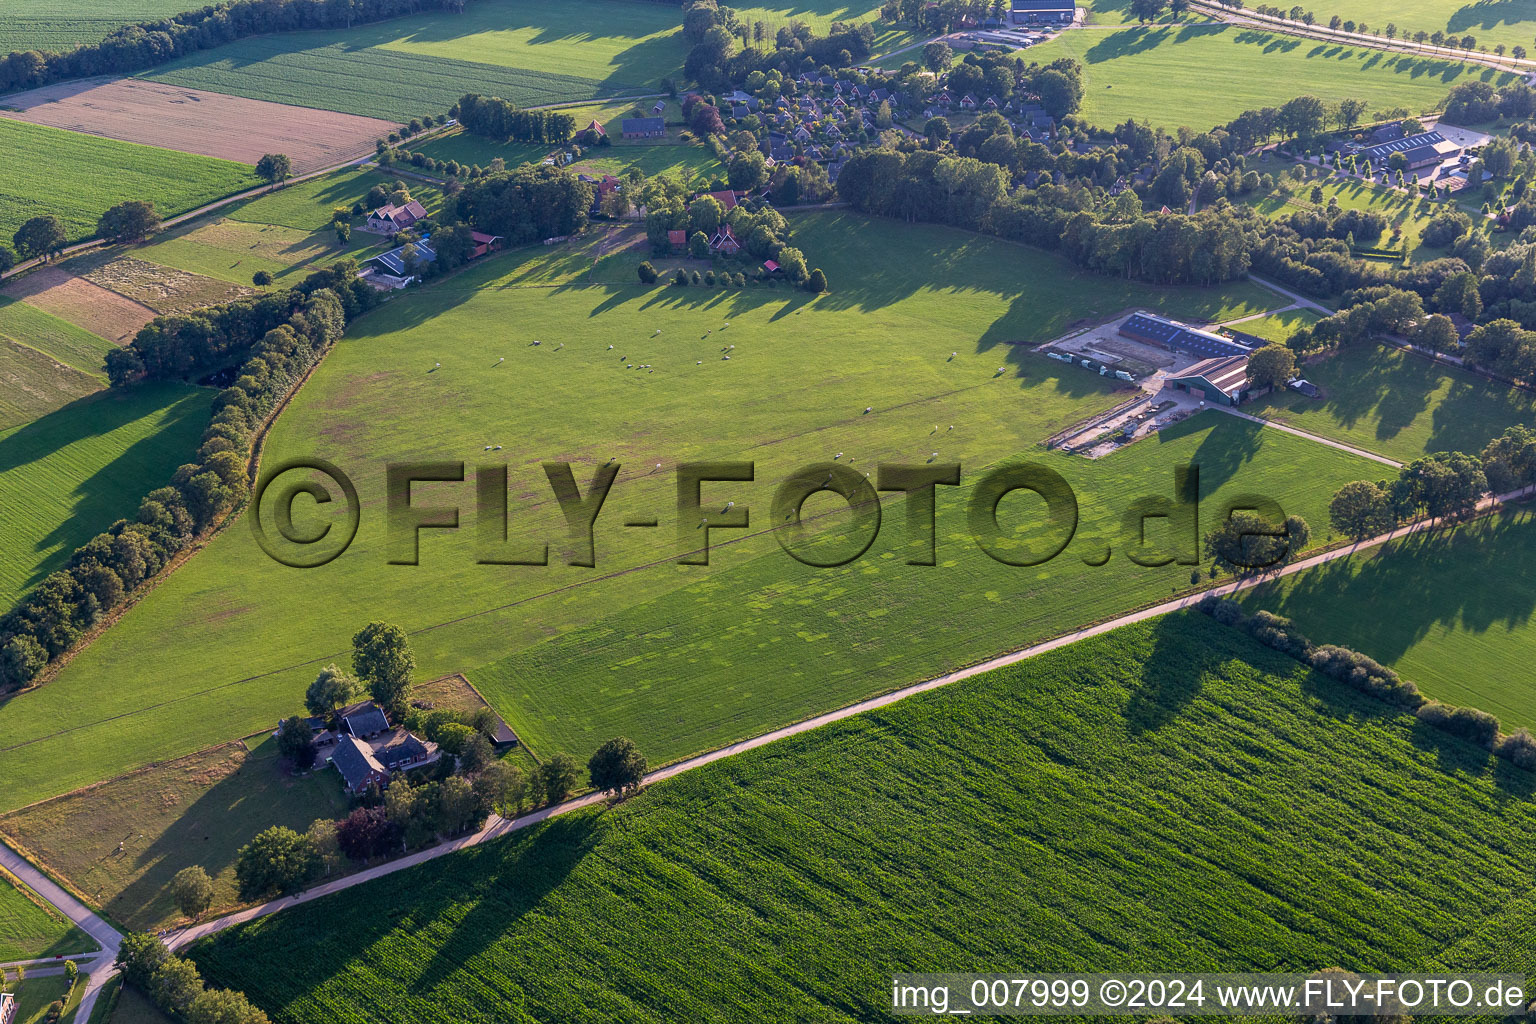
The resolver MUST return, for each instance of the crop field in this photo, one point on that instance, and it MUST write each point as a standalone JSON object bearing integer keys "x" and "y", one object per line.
{"x": 70, "y": 474}
{"x": 31, "y": 929}
{"x": 197, "y": 810}
{"x": 55, "y": 291}
{"x": 59, "y": 25}
{"x": 165, "y": 290}
{"x": 1385, "y": 400}
{"x": 1170, "y": 796}
{"x": 59, "y": 339}
{"x": 196, "y": 121}
{"x": 930, "y": 331}
{"x": 45, "y": 362}
{"x": 49, "y": 170}
{"x": 1204, "y": 75}
{"x": 521, "y": 50}
{"x": 1461, "y": 610}
{"x": 284, "y": 233}
{"x": 1407, "y": 216}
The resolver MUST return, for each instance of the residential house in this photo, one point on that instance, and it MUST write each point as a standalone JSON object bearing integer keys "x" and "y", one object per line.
{"x": 358, "y": 768}
{"x": 388, "y": 219}
{"x": 7, "y": 1008}
{"x": 643, "y": 128}
{"x": 724, "y": 242}
{"x": 366, "y": 749}
{"x": 677, "y": 240}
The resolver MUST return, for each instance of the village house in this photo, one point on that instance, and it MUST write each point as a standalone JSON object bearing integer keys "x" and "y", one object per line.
{"x": 388, "y": 219}
{"x": 724, "y": 242}
{"x": 365, "y": 749}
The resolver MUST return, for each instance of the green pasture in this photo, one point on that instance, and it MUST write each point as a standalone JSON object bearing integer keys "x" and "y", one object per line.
{"x": 30, "y": 929}
{"x": 1170, "y": 796}
{"x": 919, "y": 342}
{"x": 1450, "y": 610}
{"x": 1204, "y": 75}
{"x": 1401, "y": 405}
{"x": 45, "y": 362}
{"x": 77, "y": 177}
{"x": 1278, "y": 327}
{"x": 286, "y": 233}
{"x": 68, "y": 475}
{"x": 1511, "y": 22}
{"x": 528, "y": 52}
{"x": 60, "y": 25}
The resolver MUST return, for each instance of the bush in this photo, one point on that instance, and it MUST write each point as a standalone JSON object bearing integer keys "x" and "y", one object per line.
{"x": 1275, "y": 631}
{"x": 1366, "y": 675}
{"x": 261, "y": 279}
{"x": 1223, "y": 609}
{"x": 817, "y": 282}
{"x": 647, "y": 273}
{"x": 1519, "y": 748}
{"x": 1468, "y": 723}
{"x": 679, "y": 277}
{"x": 709, "y": 278}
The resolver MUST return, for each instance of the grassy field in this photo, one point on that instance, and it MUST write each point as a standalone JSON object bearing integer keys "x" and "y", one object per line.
{"x": 1202, "y": 76}
{"x": 70, "y": 474}
{"x": 56, "y": 338}
{"x": 285, "y": 233}
{"x": 1407, "y": 216}
{"x": 878, "y": 340}
{"x": 1170, "y": 796}
{"x": 60, "y": 25}
{"x": 1460, "y": 623}
{"x": 1278, "y": 326}
{"x": 1403, "y": 406}
{"x": 121, "y": 843}
{"x": 521, "y": 50}
{"x": 30, "y": 929}
{"x": 1511, "y": 22}
{"x": 33, "y": 384}
{"x": 49, "y": 170}
{"x": 34, "y": 996}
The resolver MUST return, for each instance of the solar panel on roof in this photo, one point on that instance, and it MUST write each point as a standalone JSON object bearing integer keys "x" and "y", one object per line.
{"x": 1184, "y": 339}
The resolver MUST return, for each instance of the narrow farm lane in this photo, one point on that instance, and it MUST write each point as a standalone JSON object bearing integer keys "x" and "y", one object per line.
{"x": 1287, "y": 428}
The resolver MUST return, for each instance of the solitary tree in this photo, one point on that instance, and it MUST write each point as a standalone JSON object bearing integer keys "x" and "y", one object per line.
{"x": 192, "y": 891}
{"x": 274, "y": 167}
{"x": 261, "y": 278}
{"x": 40, "y": 236}
{"x": 381, "y": 657}
{"x": 1247, "y": 542}
{"x": 132, "y": 221}
{"x": 617, "y": 765}
{"x": 278, "y": 860}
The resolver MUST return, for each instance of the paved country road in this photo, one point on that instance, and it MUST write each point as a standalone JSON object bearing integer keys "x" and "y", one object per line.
{"x": 498, "y": 826}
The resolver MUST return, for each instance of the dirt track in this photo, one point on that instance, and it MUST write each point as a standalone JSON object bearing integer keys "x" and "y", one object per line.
{"x": 194, "y": 121}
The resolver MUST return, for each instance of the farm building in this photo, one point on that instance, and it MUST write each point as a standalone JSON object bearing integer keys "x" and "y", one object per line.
{"x": 1042, "y": 12}
{"x": 386, "y": 220}
{"x": 366, "y": 749}
{"x": 484, "y": 243}
{"x": 1427, "y": 149}
{"x": 644, "y": 128}
{"x": 1176, "y": 337}
{"x": 1220, "y": 379}
{"x": 595, "y": 130}
{"x": 392, "y": 263}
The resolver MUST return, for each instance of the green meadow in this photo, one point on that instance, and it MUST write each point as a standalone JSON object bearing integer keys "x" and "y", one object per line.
{"x": 1204, "y": 75}
{"x": 53, "y": 171}
{"x": 286, "y": 233}
{"x": 1401, "y": 405}
{"x": 528, "y": 52}
{"x": 930, "y": 345}
{"x": 30, "y": 929}
{"x": 45, "y": 362}
{"x": 70, "y": 474}
{"x": 1169, "y": 796}
{"x": 1511, "y": 22}
{"x": 1460, "y": 611}
{"x": 60, "y": 25}
{"x": 1278, "y": 327}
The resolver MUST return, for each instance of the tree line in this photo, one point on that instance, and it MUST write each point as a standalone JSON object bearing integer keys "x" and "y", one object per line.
{"x": 174, "y": 985}
{"x": 1362, "y": 673}
{"x": 271, "y": 342}
{"x": 500, "y": 119}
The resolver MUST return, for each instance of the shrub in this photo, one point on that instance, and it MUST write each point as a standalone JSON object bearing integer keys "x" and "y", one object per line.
{"x": 647, "y": 273}
{"x": 1468, "y": 723}
{"x": 1519, "y": 748}
{"x": 1366, "y": 675}
{"x": 680, "y": 277}
{"x": 1223, "y": 609}
{"x": 261, "y": 279}
{"x": 1275, "y": 631}
{"x": 709, "y": 278}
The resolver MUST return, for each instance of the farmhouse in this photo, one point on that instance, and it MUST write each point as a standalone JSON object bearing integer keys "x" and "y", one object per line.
{"x": 1169, "y": 334}
{"x": 725, "y": 242}
{"x": 643, "y": 128}
{"x": 386, "y": 220}
{"x": 595, "y": 130}
{"x": 1220, "y": 379}
{"x": 368, "y": 749}
{"x": 1042, "y": 12}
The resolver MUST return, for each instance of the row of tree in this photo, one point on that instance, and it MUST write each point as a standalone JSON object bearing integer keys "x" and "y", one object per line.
{"x": 273, "y": 340}
{"x": 174, "y": 985}
{"x": 500, "y": 119}
{"x": 1445, "y": 486}
{"x": 148, "y": 43}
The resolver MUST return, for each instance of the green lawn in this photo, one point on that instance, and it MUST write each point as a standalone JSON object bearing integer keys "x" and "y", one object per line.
{"x": 69, "y": 475}
{"x": 1383, "y": 399}
{"x": 60, "y": 25}
{"x": 30, "y": 929}
{"x": 1511, "y": 22}
{"x": 50, "y": 170}
{"x": 1278, "y": 327}
{"x": 1406, "y": 215}
{"x": 522, "y": 50}
{"x": 35, "y": 995}
{"x": 198, "y": 810}
{"x": 229, "y": 642}
{"x": 1205, "y": 75}
{"x": 1171, "y": 796}
{"x": 1460, "y": 611}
